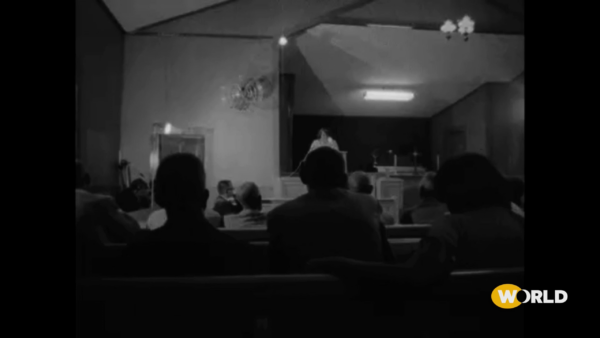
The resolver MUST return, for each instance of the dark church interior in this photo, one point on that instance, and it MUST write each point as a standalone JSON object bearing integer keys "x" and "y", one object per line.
{"x": 296, "y": 168}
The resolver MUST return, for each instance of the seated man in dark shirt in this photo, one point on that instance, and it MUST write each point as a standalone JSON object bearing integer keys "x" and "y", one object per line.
{"x": 187, "y": 244}
{"x": 226, "y": 203}
{"x": 327, "y": 221}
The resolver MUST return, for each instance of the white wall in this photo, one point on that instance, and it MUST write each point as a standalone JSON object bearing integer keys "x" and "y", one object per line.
{"x": 180, "y": 81}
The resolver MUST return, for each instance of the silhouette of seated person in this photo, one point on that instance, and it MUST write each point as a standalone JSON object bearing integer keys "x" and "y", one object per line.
{"x": 98, "y": 222}
{"x": 98, "y": 216}
{"x": 429, "y": 209}
{"x": 329, "y": 220}
{"x": 226, "y": 203}
{"x": 251, "y": 216}
{"x": 481, "y": 231}
{"x": 187, "y": 244}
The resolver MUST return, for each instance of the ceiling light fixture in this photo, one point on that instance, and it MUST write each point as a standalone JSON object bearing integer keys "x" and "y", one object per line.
{"x": 373, "y": 25}
{"x": 283, "y": 41}
{"x": 389, "y": 95}
{"x": 465, "y": 27}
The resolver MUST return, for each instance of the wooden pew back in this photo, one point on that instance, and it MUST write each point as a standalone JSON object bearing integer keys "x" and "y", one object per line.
{"x": 292, "y": 305}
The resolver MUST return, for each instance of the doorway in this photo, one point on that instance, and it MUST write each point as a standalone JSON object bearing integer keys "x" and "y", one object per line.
{"x": 174, "y": 144}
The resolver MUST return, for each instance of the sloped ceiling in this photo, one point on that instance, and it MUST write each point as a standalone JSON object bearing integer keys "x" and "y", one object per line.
{"x": 347, "y": 60}
{"x": 134, "y": 14}
{"x": 268, "y": 18}
{"x": 271, "y": 17}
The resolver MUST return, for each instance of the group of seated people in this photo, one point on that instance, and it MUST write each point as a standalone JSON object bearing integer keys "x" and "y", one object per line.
{"x": 337, "y": 227}
{"x": 232, "y": 210}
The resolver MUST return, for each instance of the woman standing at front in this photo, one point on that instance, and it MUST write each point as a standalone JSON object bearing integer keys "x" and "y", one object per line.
{"x": 324, "y": 139}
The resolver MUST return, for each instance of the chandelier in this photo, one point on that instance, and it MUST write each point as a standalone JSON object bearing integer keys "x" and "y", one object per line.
{"x": 465, "y": 27}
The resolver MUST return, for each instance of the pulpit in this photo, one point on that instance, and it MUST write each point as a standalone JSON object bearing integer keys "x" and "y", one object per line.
{"x": 391, "y": 188}
{"x": 410, "y": 187}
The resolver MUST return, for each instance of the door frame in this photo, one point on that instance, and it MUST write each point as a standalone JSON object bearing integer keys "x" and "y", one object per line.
{"x": 183, "y": 136}
{"x": 193, "y": 132}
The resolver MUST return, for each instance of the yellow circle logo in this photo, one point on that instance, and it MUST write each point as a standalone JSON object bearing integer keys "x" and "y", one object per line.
{"x": 505, "y": 296}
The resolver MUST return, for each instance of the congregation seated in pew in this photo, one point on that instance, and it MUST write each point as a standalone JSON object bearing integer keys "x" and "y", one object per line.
{"x": 326, "y": 209}
{"x": 187, "y": 244}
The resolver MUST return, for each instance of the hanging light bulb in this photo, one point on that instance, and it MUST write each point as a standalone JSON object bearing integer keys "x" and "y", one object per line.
{"x": 283, "y": 41}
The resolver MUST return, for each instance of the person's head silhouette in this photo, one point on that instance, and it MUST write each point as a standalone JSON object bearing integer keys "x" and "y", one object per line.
{"x": 469, "y": 182}
{"x": 180, "y": 183}
{"x": 324, "y": 168}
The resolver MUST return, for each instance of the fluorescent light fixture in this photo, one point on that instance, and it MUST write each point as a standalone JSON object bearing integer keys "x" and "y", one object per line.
{"x": 373, "y": 25}
{"x": 388, "y": 95}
